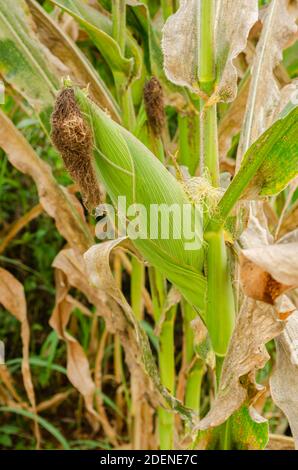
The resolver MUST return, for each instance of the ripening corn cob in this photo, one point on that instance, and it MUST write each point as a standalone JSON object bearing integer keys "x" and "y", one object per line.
{"x": 127, "y": 168}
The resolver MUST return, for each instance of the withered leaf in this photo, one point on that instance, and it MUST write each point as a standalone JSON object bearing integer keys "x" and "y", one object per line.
{"x": 268, "y": 269}
{"x": 279, "y": 28}
{"x": 12, "y": 297}
{"x": 138, "y": 350}
{"x": 284, "y": 380}
{"x": 257, "y": 323}
{"x": 78, "y": 370}
{"x": 181, "y": 39}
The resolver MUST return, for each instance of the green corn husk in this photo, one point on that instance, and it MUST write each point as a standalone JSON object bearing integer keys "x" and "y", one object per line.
{"x": 127, "y": 168}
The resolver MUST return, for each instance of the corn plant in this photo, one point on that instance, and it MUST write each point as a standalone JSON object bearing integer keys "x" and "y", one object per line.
{"x": 189, "y": 106}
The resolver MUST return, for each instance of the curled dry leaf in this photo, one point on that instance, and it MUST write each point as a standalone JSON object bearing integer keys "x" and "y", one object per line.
{"x": 232, "y": 120}
{"x": 267, "y": 269}
{"x": 173, "y": 298}
{"x": 284, "y": 380}
{"x": 78, "y": 370}
{"x": 278, "y": 442}
{"x": 290, "y": 221}
{"x": 135, "y": 341}
{"x": 71, "y": 272}
{"x": 103, "y": 292}
{"x": 181, "y": 38}
{"x": 180, "y": 44}
{"x": 12, "y": 297}
{"x": 257, "y": 283}
{"x": 7, "y": 380}
{"x": 202, "y": 343}
{"x": 279, "y": 260}
{"x": 234, "y": 20}
{"x": 19, "y": 224}
{"x": 279, "y": 28}
{"x": 257, "y": 324}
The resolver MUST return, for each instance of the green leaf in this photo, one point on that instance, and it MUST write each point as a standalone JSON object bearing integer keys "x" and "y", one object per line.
{"x": 99, "y": 29}
{"x": 249, "y": 430}
{"x": 80, "y": 69}
{"x": 140, "y": 11}
{"x": 26, "y": 65}
{"x": 245, "y": 430}
{"x": 43, "y": 422}
{"x": 290, "y": 60}
{"x": 267, "y": 167}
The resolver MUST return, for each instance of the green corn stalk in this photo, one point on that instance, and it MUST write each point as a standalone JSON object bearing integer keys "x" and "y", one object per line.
{"x": 220, "y": 314}
{"x": 166, "y": 355}
{"x": 195, "y": 367}
{"x": 166, "y": 419}
{"x": 189, "y": 141}
{"x": 220, "y": 302}
{"x": 119, "y": 34}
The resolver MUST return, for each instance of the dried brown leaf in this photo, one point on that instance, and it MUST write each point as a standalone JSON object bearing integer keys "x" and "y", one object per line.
{"x": 54, "y": 401}
{"x": 78, "y": 370}
{"x": 134, "y": 339}
{"x": 180, "y": 45}
{"x": 12, "y": 297}
{"x": 181, "y": 38}
{"x": 231, "y": 122}
{"x": 258, "y": 284}
{"x": 274, "y": 264}
{"x": 264, "y": 97}
{"x": 173, "y": 298}
{"x": 284, "y": 380}
{"x": 290, "y": 221}
{"x": 72, "y": 265}
{"x": 277, "y": 442}
{"x": 7, "y": 380}
{"x": 279, "y": 260}
{"x": 257, "y": 324}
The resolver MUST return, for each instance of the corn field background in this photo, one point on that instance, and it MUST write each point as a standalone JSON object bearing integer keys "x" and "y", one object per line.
{"x": 144, "y": 343}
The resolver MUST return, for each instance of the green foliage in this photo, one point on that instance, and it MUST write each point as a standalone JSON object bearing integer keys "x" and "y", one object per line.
{"x": 115, "y": 70}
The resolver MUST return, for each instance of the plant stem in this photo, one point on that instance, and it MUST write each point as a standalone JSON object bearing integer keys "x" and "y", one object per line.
{"x": 136, "y": 289}
{"x": 220, "y": 311}
{"x": 166, "y": 355}
{"x": 220, "y": 302}
{"x": 123, "y": 92}
{"x": 119, "y": 22}
{"x": 195, "y": 374}
{"x": 209, "y": 141}
{"x": 189, "y": 141}
{"x": 166, "y": 419}
{"x": 206, "y": 46}
{"x": 139, "y": 408}
{"x": 118, "y": 365}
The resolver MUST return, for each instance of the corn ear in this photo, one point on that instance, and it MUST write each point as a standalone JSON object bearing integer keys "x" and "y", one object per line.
{"x": 127, "y": 168}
